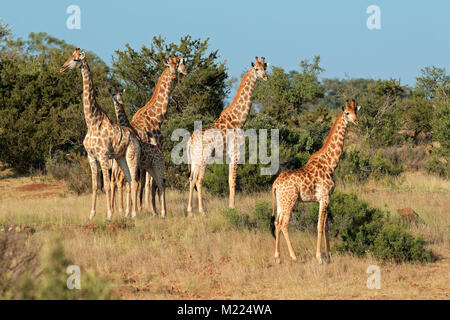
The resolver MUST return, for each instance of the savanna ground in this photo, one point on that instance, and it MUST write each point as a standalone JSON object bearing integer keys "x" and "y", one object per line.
{"x": 207, "y": 258}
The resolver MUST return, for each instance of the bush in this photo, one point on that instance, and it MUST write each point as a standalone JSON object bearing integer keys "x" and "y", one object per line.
{"x": 362, "y": 229}
{"x": 439, "y": 166}
{"x": 51, "y": 283}
{"x": 235, "y": 218}
{"x": 76, "y": 173}
{"x": 262, "y": 214}
{"x": 392, "y": 243}
{"x": 386, "y": 165}
{"x": 354, "y": 166}
{"x": 16, "y": 260}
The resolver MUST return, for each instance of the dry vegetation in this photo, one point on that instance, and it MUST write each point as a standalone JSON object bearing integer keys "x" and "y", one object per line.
{"x": 206, "y": 258}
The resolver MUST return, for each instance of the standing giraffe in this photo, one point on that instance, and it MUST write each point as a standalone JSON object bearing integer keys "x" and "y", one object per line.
{"x": 151, "y": 157}
{"x": 148, "y": 120}
{"x": 204, "y": 143}
{"x": 311, "y": 183}
{"x": 104, "y": 140}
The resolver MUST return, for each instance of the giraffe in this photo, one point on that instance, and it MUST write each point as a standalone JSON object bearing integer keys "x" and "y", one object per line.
{"x": 311, "y": 183}
{"x": 148, "y": 120}
{"x": 104, "y": 140}
{"x": 151, "y": 157}
{"x": 204, "y": 143}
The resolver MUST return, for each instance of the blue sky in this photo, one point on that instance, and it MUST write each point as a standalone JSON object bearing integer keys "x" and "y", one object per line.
{"x": 413, "y": 34}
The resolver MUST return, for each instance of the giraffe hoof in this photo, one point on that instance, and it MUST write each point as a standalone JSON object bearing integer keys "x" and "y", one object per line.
{"x": 294, "y": 258}
{"x": 277, "y": 260}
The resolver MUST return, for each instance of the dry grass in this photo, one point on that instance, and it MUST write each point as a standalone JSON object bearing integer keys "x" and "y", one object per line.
{"x": 205, "y": 258}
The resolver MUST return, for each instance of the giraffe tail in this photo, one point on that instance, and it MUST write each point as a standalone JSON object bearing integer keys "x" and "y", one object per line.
{"x": 272, "y": 219}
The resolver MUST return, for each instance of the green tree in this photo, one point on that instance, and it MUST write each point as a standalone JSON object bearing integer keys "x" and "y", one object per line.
{"x": 199, "y": 96}
{"x": 431, "y": 77}
{"x": 287, "y": 94}
{"x": 41, "y": 109}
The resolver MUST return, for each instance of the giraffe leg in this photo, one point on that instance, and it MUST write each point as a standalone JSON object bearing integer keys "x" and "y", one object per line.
{"x": 284, "y": 229}
{"x": 120, "y": 183}
{"x": 152, "y": 187}
{"x": 128, "y": 201}
{"x": 195, "y": 168}
{"x": 199, "y": 183}
{"x": 139, "y": 195}
{"x": 232, "y": 181}
{"x": 158, "y": 179}
{"x": 107, "y": 185}
{"x": 143, "y": 191}
{"x": 277, "y": 241}
{"x": 327, "y": 240}
{"x": 94, "y": 176}
{"x": 322, "y": 212}
{"x": 126, "y": 171}
{"x": 149, "y": 196}
{"x": 113, "y": 188}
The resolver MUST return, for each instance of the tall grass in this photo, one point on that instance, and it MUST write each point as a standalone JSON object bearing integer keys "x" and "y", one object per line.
{"x": 207, "y": 258}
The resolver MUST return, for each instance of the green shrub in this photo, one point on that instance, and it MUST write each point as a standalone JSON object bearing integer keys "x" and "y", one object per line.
{"x": 386, "y": 166}
{"x": 51, "y": 283}
{"x": 216, "y": 180}
{"x": 362, "y": 230}
{"x": 439, "y": 166}
{"x": 76, "y": 173}
{"x": 262, "y": 214}
{"x": 354, "y": 166}
{"x": 358, "y": 166}
{"x": 235, "y": 218}
{"x": 392, "y": 243}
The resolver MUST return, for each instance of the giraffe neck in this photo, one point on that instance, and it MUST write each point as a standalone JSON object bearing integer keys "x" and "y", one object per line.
{"x": 156, "y": 109}
{"x": 93, "y": 114}
{"x": 122, "y": 119}
{"x": 331, "y": 151}
{"x": 236, "y": 114}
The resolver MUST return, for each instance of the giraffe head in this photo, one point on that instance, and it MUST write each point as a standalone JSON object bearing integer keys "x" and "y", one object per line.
{"x": 74, "y": 61}
{"x": 172, "y": 64}
{"x": 350, "y": 112}
{"x": 259, "y": 67}
{"x": 181, "y": 65}
{"x": 117, "y": 95}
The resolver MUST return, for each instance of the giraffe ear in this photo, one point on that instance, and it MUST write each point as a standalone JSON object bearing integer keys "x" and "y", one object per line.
{"x": 122, "y": 91}
{"x": 253, "y": 64}
{"x": 357, "y": 108}
{"x": 111, "y": 91}
{"x": 82, "y": 54}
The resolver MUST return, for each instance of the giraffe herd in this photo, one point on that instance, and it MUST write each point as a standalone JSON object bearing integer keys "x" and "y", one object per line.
{"x": 128, "y": 148}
